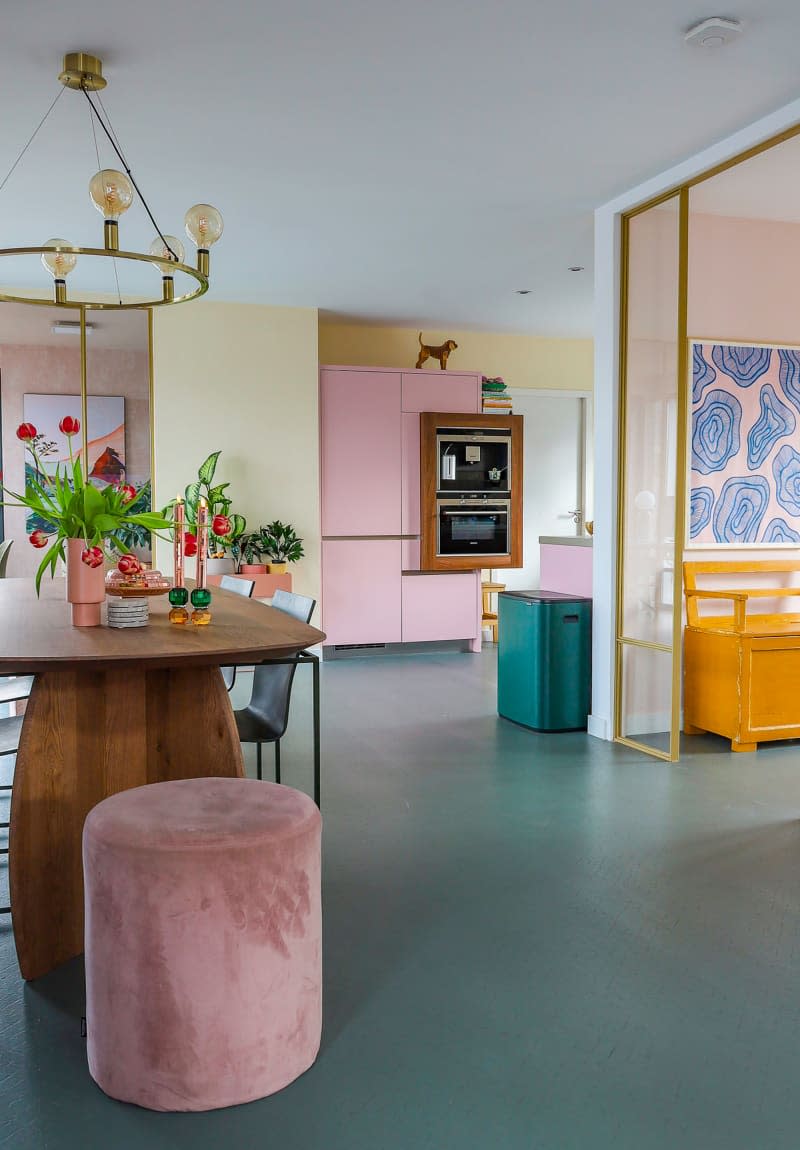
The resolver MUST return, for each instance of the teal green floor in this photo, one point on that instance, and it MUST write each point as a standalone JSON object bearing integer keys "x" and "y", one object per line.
{"x": 532, "y": 942}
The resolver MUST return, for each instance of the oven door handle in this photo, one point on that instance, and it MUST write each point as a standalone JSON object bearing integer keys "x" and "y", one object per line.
{"x": 473, "y": 513}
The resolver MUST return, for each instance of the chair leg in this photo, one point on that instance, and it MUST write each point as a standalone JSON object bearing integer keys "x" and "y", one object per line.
{"x": 315, "y": 669}
{"x": 258, "y": 760}
{"x": 277, "y": 760}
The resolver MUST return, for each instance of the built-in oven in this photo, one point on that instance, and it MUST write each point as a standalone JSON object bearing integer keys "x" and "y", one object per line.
{"x": 474, "y": 459}
{"x": 478, "y": 527}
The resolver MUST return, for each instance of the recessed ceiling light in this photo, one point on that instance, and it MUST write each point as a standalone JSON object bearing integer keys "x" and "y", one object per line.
{"x": 577, "y": 268}
{"x": 524, "y": 291}
{"x": 714, "y": 32}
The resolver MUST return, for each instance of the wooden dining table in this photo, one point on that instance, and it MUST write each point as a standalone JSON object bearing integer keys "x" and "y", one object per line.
{"x": 112, "y": 709}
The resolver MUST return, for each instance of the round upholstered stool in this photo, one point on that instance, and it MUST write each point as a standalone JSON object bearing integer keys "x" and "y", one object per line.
{"x": 203, "y": 942}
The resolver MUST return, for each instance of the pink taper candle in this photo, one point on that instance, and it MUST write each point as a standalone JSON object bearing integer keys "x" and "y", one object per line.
{"x": 202, "y": 542}
{"x": 179, "y": 524}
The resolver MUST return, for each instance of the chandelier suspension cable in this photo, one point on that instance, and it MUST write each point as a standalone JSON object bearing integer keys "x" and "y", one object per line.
{"x": 128, "y": 171}
{"x": 99, "y": 166}
{"x": 10, "y": 171}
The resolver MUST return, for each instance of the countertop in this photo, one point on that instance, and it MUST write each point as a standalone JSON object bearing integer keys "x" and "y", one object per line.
{"x": 566, "y": 540}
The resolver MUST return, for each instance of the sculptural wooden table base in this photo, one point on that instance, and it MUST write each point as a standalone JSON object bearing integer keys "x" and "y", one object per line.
{"x": 111, "y": 710}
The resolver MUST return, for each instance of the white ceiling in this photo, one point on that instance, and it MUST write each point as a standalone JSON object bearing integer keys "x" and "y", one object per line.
{"x": 412, "y": 163}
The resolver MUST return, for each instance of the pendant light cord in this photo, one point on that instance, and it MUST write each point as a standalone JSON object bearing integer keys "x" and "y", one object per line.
{"x": 111, "y": 137}
{"x": 10, "y": 171}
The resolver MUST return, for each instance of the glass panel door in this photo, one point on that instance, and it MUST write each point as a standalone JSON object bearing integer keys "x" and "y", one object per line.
{"x": 651, "y": 477}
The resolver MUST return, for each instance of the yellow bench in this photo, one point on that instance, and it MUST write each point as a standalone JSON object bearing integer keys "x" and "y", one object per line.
{"x": 741, "y": 670}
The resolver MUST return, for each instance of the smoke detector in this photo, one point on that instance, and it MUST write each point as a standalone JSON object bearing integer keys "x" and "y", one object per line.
{"x": 715, "y": 32}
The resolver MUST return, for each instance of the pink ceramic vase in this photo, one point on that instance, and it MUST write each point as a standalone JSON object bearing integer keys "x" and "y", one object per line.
{"x": 86, "y": 587}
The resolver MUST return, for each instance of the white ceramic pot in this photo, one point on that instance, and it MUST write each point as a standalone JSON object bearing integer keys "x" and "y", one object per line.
{"x": 224, "y": 566}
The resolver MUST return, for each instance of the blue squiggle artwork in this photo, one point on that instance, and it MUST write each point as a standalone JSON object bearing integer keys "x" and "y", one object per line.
{"x": 703, "y": 374}
{"x": 701, "y": 504}
{"x": 715, "y": 431}
{"x": 775, "y": 421}
{"x": 779, "y": 531}
{"x": 786, "y": 469}
{"x": 789, "y": 375}
{"x": 744, "y": 364}
{"x": 740, "y": 509}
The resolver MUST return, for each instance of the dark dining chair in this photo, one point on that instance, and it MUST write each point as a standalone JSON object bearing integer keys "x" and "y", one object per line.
{"x": 239, "y": 587}
{"x": 265, "y": 718}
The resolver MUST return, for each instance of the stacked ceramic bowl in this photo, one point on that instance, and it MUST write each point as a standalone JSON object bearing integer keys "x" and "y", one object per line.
{"x": 128, "y": 612}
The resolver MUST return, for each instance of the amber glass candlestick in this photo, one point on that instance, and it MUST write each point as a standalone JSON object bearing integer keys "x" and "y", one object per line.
{"x": 178, "y": 595}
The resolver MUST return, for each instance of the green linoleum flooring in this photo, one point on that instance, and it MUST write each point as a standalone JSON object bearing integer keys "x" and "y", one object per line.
{"x": 532, "y": 942}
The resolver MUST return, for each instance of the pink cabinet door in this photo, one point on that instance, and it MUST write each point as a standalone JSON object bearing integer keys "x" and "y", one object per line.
{"x": 360, "y": 452}
{"x": 441, "y": 391}
{"x": 361, "y": 590}
{"x": 440, "y": 607}
{"x": 409, "y": 510}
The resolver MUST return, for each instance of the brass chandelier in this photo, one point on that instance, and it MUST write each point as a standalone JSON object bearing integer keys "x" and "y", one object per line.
{"x": 112, "y": 192}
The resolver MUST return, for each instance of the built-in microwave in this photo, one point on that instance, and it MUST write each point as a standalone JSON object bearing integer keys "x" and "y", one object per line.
{"x": 473, "y": 459}
{"x": 473, "y": 527}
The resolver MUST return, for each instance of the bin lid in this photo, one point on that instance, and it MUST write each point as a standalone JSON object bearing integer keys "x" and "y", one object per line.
{"x": 545, "y": 596}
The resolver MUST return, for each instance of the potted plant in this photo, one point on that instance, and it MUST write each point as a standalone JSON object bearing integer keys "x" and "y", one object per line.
{"x": 282, "y": 545}
{"x": 78, "y": 522}
{"x": 251, "y": 549}
{"x": 225, "y": 529}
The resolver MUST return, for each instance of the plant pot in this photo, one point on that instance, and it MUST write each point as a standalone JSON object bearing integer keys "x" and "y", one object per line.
{"x": 223, "y": 566}
{"x": 253, "y": 569}
{"x": 277, "y": 568}
{"x": 86, "y": 587}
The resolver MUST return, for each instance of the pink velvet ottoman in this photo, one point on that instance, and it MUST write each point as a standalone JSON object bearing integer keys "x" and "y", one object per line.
{"x": 203, "y": 942}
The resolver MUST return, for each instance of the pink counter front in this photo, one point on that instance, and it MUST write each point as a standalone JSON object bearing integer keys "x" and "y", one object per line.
{"x": 566, "y": 564}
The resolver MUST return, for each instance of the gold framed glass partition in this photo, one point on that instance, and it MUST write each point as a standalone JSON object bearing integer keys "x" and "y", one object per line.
{"x": 57, "y": 362}
{"x": 652, "y": 476}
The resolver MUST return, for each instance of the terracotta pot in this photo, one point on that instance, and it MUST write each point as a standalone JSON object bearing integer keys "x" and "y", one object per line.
{"x": 86, "y": 587}
{"x": 253, "y": 569}
{"x": 277, "y": 568}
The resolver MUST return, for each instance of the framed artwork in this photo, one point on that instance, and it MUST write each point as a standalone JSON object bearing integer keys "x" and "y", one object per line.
{"x": 744, "y": 480}
{"x": 106, "y": 429}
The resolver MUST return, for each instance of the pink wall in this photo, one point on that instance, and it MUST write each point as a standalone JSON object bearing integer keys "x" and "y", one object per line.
{"x": 28, "y": 369}
{"x": 743, "y": 282}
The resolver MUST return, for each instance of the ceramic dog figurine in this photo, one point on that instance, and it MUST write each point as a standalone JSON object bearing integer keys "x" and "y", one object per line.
{"x": 441, "y": 352}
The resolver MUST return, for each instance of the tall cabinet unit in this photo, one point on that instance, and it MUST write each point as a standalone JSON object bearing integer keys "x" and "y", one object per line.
{"x": 373, "y": 591}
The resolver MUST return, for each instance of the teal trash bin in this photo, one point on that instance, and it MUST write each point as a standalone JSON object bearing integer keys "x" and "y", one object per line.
{"x": 544, "y": 659}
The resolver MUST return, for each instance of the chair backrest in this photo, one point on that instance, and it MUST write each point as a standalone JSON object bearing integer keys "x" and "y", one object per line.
{"x": 750, "y": 577}
{"x": 272, "y": 682}
{"x": 238, "y": 586}
{"x": 299, "y": 606}
{"x": 4, "y": 550}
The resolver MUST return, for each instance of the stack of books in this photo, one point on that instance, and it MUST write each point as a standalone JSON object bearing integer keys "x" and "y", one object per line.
{"x": 495, "y": 396}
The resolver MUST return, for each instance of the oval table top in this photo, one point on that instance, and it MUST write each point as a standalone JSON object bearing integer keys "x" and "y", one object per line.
{"x": 37, "y": 634}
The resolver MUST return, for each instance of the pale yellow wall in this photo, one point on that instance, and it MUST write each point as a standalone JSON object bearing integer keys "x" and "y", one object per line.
{"x": 522, "y": 360}
{"x": 242, "y": 378}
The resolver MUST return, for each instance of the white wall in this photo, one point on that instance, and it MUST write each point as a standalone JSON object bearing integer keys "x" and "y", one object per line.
{"x": 242, "y": 378}
{"x": 607, "y": 271}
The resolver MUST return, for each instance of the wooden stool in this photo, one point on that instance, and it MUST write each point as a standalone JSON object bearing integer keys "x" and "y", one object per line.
{"x": 489, "y": 617}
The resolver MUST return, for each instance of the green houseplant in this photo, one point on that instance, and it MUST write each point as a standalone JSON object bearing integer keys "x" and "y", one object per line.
{"x": 281, "y": 544}
{"x": 225, "y": 529}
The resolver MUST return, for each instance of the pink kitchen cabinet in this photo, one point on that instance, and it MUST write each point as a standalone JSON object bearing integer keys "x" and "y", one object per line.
{"x": 361, "y": 452}
{"x": 441, "y": 391}
{"x": 439, "y": 607}
{"x": 361, "y": 591}
{"x": 409, "y": 502}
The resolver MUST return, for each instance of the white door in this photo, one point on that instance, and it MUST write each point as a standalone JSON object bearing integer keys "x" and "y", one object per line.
{"x": 556, "y": 474}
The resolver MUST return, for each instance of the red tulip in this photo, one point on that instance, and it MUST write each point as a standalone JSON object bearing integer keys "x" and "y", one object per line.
{"x": 38, "y": 538}
{"x": 189, "y": 543}
{"x": 92, "y": 556}
{"x": 26, "y": 432}
{"x": 128, "y": 492}
{"x": 220, "y": 526}
{"x": 129, "y": 565}
{"x": 69, "y": 425}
